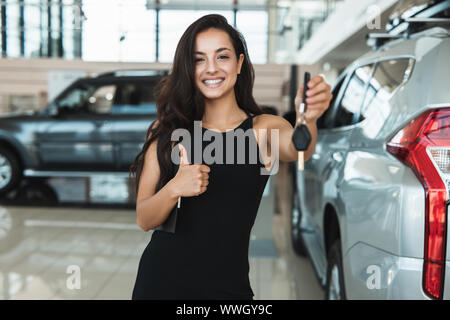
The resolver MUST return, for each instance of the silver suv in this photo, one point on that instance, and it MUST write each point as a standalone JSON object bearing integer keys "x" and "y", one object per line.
{"x": 371, "y": 207}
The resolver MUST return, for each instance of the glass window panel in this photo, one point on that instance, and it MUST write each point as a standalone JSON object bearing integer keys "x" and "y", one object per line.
{"x": 253, "y": 25}
{"x": 173, "y": 23}
{"x": 325, "y": 120}
{"x": 100, "y": 40}
{"x": 55, "y": 26}
{"x": 137, "y": 31}
{"x": 135, "y": 98}
{"x": 388, "y": 76}
{"x": 69, "y": 12}
{"x": 44, "y": 28}
{"x": 118, "y": 31}
{"x": 101, "y": 100}
{"x": 354, "y": 93}
{"x": 76, "y": 99}
{"x": 12, "y": 28}
{"x": 32, "y": 22}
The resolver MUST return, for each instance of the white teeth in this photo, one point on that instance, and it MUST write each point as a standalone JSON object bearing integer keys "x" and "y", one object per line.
{"x": 213, "y": 81}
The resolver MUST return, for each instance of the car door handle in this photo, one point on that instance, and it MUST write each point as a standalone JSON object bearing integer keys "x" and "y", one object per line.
{"x": 338, "y": 156}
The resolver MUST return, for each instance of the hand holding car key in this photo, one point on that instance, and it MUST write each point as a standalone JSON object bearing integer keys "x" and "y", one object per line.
{"x": 301, "y": 136}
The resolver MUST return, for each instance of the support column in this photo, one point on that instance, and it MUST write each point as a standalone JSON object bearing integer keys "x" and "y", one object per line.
{"x": 3, "y": 28}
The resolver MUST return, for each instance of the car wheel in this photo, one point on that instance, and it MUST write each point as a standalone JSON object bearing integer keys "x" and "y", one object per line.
{"x": 296, "y": 218}
{"x": 10, "y": 171}
{"x": 335, "y": 289}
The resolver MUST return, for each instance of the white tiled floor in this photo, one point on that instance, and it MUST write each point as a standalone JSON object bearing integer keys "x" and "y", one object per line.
{"x": 107, "y": 244}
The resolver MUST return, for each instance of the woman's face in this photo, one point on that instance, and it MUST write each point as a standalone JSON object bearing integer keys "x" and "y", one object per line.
{"x": 215, "y": 60}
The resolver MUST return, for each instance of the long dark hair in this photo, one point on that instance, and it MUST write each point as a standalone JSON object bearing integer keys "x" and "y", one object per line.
{"x": 179, "y": 102}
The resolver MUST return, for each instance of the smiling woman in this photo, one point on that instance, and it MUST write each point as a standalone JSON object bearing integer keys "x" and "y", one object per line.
{"x": 211, "y": 80}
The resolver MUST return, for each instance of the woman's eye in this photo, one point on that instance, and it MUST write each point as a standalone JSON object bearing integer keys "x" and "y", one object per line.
{"x": 221, "y": 57}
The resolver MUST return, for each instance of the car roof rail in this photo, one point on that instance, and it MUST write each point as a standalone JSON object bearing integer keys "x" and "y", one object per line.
{"x": 376, "y": 40}
{"x": 415, "y": 25}
{"x": 133, "y": 73}
{"x": 424, "y": 15}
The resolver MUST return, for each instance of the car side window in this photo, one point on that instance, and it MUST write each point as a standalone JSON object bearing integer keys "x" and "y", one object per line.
{"x": 74, "y": 100}
{"x": 348, "y": 110}
{"x": 135, "y": 98}
{"x": 324, "y": 120}
{"x": 388, "y": 76}
{"x": 100, "y": 101}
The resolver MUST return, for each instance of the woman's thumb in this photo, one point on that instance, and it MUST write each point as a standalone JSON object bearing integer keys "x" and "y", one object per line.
{"x": 183, "y": 156}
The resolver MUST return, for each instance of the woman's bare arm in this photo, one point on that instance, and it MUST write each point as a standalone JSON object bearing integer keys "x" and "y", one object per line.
{"x": 153, "y": 208}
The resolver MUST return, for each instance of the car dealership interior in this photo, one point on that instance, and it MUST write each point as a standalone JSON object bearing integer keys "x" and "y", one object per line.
{"x": 363, "y": 217}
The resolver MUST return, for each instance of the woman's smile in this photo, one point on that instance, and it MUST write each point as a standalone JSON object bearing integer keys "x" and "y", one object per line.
{"x": 213, "y": 83}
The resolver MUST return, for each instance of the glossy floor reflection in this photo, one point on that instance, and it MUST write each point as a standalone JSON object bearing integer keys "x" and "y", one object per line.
{"x": 43, "y": 248}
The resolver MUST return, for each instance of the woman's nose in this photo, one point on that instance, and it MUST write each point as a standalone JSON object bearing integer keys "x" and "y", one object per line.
{"x": 211, "y": 65}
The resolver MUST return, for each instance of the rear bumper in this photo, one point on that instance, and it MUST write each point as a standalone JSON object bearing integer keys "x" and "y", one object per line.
{"x": 371, "y": 273}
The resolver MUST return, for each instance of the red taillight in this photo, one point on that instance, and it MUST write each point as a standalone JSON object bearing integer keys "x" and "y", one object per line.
{"x": 424, "y": 146}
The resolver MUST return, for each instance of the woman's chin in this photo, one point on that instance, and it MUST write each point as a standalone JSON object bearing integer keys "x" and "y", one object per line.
{"x": 212, "y": 96}
{"x": 215, "y": 94}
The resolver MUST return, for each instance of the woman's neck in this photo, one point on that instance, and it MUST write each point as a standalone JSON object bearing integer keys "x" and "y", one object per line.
{"x": 222, "y": 112}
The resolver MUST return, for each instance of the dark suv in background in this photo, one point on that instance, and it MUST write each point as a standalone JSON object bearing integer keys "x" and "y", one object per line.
{"x": 97, "y": 124}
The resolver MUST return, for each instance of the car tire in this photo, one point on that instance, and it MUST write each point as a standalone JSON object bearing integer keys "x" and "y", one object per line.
{"x": 10, "y": 170}
{"x": 296, "y": 218}
{"x": 335, "y": 288}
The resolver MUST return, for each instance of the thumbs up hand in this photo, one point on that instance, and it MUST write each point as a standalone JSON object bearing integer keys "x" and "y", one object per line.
{"x": 191, "y": 179}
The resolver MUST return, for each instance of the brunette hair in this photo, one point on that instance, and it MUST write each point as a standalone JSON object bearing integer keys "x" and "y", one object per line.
{"x": 179, "y": 102}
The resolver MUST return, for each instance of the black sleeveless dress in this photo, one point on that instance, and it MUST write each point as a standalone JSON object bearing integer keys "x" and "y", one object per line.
{"x": 207, "y": 256}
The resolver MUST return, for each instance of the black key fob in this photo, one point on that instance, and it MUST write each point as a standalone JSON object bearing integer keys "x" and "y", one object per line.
{"x": 301, "y": 137}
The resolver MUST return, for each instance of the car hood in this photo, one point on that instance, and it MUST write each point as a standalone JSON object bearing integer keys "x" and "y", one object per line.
{"x": 19, "y": 115}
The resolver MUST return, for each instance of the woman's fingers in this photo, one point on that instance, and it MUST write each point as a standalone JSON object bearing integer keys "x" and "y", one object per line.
{"x": 320, "y": 87}
{"x": 202, "y": 189}
{"x": 315, "y": 86}
{"x": 314, "y": 81}
{"x": 321, "y": 97}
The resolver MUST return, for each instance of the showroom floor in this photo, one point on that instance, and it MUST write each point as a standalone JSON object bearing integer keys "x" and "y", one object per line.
{"x": 49, "y": 248}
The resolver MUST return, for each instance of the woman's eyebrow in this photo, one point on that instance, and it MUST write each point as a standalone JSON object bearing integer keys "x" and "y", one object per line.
{"x": 218, "y": 50}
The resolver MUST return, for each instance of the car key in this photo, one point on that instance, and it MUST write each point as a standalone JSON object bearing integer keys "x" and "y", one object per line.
{"x": 301, "y": 136}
